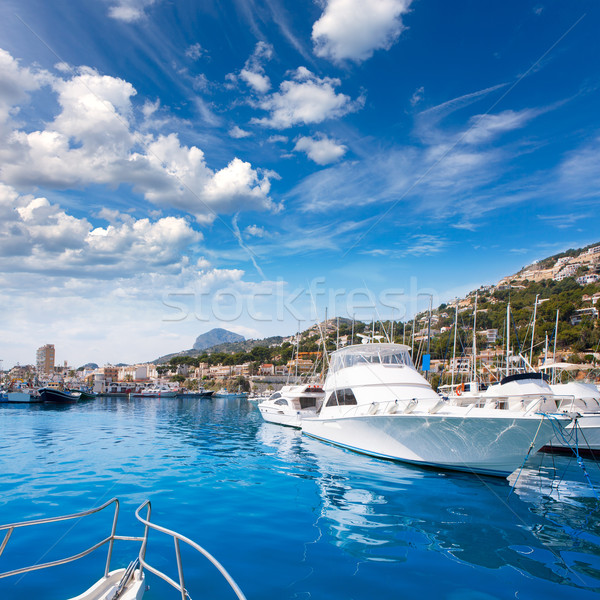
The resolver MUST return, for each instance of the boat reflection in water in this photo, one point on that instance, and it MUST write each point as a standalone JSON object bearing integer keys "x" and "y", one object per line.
{"x": 380, "y": 512}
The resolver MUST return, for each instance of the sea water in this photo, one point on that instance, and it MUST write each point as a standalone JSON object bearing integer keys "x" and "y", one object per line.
{"x": 288, "y": 516}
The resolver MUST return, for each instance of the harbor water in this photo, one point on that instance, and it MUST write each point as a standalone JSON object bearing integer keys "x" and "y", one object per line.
{"x": 289, "y": 517}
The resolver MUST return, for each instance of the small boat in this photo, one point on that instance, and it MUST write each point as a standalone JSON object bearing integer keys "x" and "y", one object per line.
{"x": 59, "y": 396}
{"x": 127, "y": 583}
{"x": 291, "y": 404}
{"x": 155, "y": 391}
{"x": 223, "y": 393}
{"x": 378, "y": 404}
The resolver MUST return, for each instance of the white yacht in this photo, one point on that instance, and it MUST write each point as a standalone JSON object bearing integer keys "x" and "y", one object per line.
{"x": 584, "y": 399}
{"x": 378, "y": 404}
{"x": 291, "y": 404}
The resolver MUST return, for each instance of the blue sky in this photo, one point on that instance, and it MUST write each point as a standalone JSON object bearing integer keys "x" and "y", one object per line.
{"x": 168, "y": 167}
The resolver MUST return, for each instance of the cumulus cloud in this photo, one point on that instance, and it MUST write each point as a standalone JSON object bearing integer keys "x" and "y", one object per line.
{"x": 321, "y": 150}
{"x": 17, "y": 82}
{"x": 129, "y": 11}
{"x": 354, "y": 29}
{"x": 305, "y": 99}
{"x": 48, "y": 239}
{"x": 253, "y": 73}
{"x": 93, "y": 140}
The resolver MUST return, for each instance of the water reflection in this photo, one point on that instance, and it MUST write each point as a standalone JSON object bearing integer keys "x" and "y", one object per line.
{"x": 386, "y": 512}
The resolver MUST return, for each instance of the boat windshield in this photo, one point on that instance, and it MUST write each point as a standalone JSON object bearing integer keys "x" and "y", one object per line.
{"x": 384, "y": 354}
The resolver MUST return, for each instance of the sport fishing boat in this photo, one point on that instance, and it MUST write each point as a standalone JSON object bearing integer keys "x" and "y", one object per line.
{"x": 377, "y": 403}
{"x": 291, "y": 404}
{"x": 128, "y": 583}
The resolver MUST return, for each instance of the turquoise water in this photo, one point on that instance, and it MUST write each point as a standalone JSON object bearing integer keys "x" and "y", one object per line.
{"x": 288, "y": 516}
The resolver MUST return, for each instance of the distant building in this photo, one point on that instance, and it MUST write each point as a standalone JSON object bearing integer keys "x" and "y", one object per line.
{"x": 579, "y": 314}
{"x": 491, "y": 335}
{"x": 590, "y": 278}
{"x": 45, "y": 359}
{"x": 594, "y": 250}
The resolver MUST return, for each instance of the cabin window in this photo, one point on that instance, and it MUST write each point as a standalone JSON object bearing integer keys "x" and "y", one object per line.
{"x": 281, "y": 402}
{"x": 307, "y": 402}
{"x": 342, "y": 398}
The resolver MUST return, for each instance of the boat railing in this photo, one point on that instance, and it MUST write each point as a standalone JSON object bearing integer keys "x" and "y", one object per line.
{"x": 384, "y": 407}
{"x": 177, "y": 538}
{"x": 108, "y": 540}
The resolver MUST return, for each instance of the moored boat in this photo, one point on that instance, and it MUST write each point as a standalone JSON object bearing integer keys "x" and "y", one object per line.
{"x": 59, "y": 396}
{"x": 291, "y": 404}
{"x": 377, "y": 403}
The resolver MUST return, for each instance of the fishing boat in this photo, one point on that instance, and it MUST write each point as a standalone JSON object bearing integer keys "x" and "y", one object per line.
{"x": 59, "y": 396}
{"x": 126, "y": 583}
{"x": 291, "y": 404}
{"x": 377, "y": 403}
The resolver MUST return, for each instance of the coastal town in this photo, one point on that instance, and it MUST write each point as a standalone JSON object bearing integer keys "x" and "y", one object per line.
{"x": 271, "y": 363}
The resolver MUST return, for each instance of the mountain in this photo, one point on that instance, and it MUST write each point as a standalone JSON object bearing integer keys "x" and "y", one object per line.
{"x": 216, "y": 336}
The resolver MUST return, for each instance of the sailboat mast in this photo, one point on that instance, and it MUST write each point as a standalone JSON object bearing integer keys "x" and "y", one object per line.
{"x": 454, "y": 347}
{"x": 507, "y": 338}
{"x": 475, "y": 340}
{"x": 533, "y": 329}
{"x": 554, "y": 353}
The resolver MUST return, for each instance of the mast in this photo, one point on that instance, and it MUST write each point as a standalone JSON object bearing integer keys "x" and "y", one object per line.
{"x": 337, "y": 338}
{"x": 507, "y": 338}
{"x": 454, "y": 348}
{"x": 352, "y": 334}
{"x": 412, "y": 352}
{"x": 546, "y": 351}
{"x": 475, "y": 340}
{"x": 533, "y": 329}
{"x": 554, "y": 353}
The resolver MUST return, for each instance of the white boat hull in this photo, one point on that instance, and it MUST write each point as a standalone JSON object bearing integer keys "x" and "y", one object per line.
{"x": 105, "y": 588}
{"x": 587, "y": 436}
{"x": 487, "y": 445}
{"x": 281, "y": 417}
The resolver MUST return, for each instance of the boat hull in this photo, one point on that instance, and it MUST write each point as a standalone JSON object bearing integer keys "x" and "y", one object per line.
{"x": 488, "y": 445}
{"x": 272, "y": 415}
{"x": 48, "y": 395}
{"x": 586, "y": 438}
{"x": 21, "y": 397}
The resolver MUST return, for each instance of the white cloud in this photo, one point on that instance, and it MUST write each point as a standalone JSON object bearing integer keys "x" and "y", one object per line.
{"x": 417, "y": 96}
{"x": 305, "y": 99}
{"x": 255, "y": 231}
{"x": 253, "y": 73}
{"x": 238, "y": 133}
{"x": 483, "y": 128}
{"x": 93, "y": 140}
{"x": 129, "y": 10}
{"x": 322, "y": 150}
{"x": 354, "y": 29}
{"x": 195, "y": 51}
{"x": 16, "y": 82}
{"x": 276, "y": 139}
{"x": 47, "y": 239}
